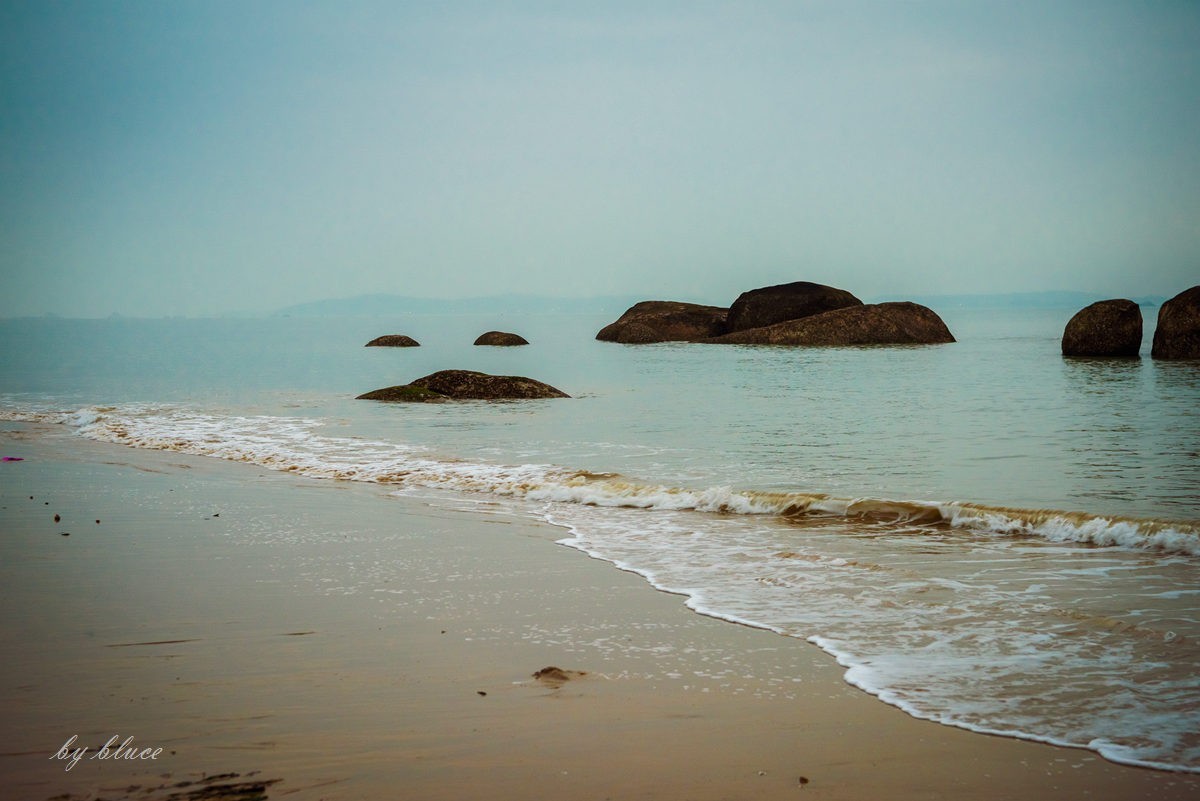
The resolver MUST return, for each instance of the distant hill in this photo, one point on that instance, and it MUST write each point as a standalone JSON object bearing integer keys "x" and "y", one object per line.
{"x": 1026, "y": 300}
{"x": 391, "y": 305}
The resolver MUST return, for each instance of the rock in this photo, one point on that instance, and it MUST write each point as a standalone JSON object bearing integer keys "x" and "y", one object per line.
{"x": 404, "y": 393}
{"x": 775, "y": 304}
{"x": 631, "y": 333}
{"x": 500, "y": 338}
{"x": 1177, "y": 335}
{"x": 465, "y": 385}
{"x": 900, "y": 323}
{"x": 1105, "y": 328}
{"x": 393, "y": 341}
{"x": 665, "y": 321}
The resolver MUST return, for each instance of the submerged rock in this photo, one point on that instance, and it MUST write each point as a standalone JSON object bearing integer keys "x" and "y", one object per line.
{"x": 900, "y": 323}
{"x": 776, "y": 304}
{"x": 665, "y": 321}
{"x": 1177, "y": 335}
{"x": 465, "y": 385}
{"x": 500, "y": 338}
{"x": 393, "y": 341}
{"x": 1105, "y": 328}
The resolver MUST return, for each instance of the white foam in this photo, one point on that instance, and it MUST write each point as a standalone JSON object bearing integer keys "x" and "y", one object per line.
{"x": 293, "y": 444}
{"x": 968, "y": 651}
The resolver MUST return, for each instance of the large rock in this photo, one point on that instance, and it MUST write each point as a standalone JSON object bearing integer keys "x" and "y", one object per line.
{"x": 1106, "y": 328}
{"x": 665, "y": 321}
{"x": 393, "y": 341}
{"x": 500, "y": 338}
{"x": 775, "y": 304}
{"x": 878, "y": 324}
{"x": 1177, "y": 335}
{"x": 465, "y": 385}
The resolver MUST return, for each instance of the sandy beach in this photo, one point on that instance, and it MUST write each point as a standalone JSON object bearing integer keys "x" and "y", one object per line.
{"x": 310, "y": 639}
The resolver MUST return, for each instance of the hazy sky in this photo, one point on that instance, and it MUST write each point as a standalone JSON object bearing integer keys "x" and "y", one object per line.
{"x": 200, "y": 157}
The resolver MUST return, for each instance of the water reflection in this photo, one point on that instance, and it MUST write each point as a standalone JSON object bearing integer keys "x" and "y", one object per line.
{"x": 1100, "y": 375}
{"x": 1177, "y": 375}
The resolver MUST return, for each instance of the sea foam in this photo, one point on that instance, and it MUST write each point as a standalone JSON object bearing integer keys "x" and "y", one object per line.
{"x": 294, "y": 445}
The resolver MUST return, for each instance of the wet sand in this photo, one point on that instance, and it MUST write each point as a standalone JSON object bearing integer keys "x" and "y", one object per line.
{"x": 321, "y": 640}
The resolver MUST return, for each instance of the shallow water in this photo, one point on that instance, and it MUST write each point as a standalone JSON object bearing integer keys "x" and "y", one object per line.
{"x": 983, "y": 533}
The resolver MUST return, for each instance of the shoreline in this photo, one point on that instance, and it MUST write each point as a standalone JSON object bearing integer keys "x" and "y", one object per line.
{"x": 351, "y": 644}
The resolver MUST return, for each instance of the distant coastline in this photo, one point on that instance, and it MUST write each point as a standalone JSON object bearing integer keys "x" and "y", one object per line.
{"x": 379, "y": 305}
{"x": 1029, "y": 300}
{"x": 385, "y": 305}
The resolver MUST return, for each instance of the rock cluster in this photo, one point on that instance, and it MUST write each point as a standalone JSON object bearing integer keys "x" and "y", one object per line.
{"x": 799, "y": 313}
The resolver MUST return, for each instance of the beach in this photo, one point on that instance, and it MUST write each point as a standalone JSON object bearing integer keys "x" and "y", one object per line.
{"x": 322, "y": 639}
{"x": 547, "y": 401}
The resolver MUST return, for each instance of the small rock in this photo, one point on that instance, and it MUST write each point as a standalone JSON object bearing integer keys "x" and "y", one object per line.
{"x": 393, "y": 341}
{"x": 502, "y": 338}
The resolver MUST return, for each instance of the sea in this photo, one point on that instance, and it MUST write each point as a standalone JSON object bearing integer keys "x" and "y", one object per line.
{"x": 983, "y": 534}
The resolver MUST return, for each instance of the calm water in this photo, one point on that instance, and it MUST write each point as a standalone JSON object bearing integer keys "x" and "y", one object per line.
{"x": 983, "y": 533}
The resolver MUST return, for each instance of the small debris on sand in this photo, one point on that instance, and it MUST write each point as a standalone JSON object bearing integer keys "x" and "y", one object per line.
{"x": 556, "y": 676}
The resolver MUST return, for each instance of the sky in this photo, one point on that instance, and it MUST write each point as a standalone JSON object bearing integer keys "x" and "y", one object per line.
{"x": 199, "y": 158}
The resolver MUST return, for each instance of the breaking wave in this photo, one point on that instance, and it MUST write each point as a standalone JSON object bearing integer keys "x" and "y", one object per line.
{"x": 293, "y": 445}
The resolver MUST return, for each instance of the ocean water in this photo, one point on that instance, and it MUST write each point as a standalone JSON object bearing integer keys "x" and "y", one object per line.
{"x": 983, "y": 533}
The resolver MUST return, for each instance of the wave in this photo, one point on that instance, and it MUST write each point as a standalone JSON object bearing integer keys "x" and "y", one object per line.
{"x": 292, "y": 445}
